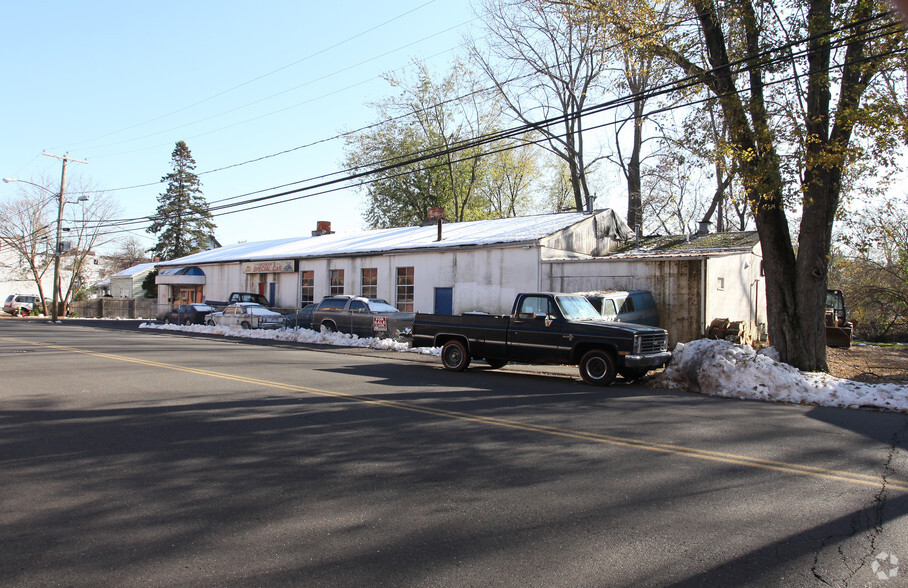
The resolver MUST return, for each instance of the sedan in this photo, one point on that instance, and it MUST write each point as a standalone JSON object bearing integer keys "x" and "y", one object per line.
{"x": 300, "y": 320}
{"x": 246, "y": 315}
{"x": 188, "y": 314}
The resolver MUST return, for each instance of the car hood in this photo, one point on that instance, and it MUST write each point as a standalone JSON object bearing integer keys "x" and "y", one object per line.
{"x": 614, "y": 326}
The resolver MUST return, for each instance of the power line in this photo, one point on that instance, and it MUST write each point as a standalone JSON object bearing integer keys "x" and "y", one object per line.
{"x": 748, "y": 62}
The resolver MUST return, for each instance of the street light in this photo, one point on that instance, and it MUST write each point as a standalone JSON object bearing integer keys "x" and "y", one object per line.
{"x": 58, "y": 247}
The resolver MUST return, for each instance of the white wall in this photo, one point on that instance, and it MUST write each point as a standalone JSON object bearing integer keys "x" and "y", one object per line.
{"x": 736, "y": 291}
{"x": 16, "y": 278}
{"x": 482, "y": 278}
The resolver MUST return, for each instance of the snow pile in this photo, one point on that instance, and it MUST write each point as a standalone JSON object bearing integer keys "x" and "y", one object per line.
{"x": 721, "y": 368}
{"x": 299, "y": 335}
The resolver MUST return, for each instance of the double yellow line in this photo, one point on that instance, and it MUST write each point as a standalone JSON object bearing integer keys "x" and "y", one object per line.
{"x": 690, "y": 452}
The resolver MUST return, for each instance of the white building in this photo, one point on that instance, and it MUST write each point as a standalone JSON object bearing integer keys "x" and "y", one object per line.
{"x": 128, "y": 283}
{"x": 479, "y": 265}
{"x": 17, "y": 278}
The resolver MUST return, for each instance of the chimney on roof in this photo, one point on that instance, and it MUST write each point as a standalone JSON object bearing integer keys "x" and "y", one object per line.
{"x": 704, "y": 228}
{"x": 322, "y": 228}
{"x": 438, "y": 215}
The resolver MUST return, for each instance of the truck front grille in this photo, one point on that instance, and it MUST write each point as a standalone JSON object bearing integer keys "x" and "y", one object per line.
{"x": 652, "y": 343}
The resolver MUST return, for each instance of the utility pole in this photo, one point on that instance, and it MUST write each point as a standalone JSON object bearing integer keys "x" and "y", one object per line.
{"x": 58, "y": 248}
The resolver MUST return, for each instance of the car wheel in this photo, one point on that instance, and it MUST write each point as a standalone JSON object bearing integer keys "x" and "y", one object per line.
{"x": 598, "y": 368}
{"x": 633, "y": 373}
{"x": 496, "y": 363}
{"x": 167, "y": 320}
{"x": 245, "y": 325}
{"x": 210, "y": 323}
{"x": 330, "y": 327}
{"x": 187, "y": 322}
{"x": 454, "y": 356}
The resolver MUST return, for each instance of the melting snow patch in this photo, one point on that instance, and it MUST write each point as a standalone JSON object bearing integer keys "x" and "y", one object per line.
{"x": 721, "y": 368}
{"x": 300, "y": 336}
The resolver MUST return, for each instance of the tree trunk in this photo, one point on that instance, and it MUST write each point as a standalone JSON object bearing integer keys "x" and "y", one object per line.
{"x": 634, "y": 199}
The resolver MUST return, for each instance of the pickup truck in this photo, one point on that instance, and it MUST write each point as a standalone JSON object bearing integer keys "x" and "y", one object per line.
{"x": 239, "y": 297}
{"x": 546, "y": 328}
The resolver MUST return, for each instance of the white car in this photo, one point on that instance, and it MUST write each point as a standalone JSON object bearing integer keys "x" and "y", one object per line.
{"x": 246, "y": 315}
{"x": 21, "y": 304}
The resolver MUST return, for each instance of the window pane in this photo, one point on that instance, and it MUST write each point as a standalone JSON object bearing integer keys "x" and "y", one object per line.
{"x": 405, "y": 279}
{"x": 307, "y": 287}
{"x": 370, "y": 282}
{"x": 337, "y": 282}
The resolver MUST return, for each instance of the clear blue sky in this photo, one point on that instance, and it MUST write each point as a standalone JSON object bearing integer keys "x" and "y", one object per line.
{"x": 119, "y": 83}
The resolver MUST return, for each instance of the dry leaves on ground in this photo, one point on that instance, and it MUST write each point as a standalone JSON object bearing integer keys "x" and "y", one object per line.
{"x": 869, "y": 363}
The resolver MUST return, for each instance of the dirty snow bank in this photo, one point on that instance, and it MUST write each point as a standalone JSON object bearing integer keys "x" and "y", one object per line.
{"x": 299, "y": 336}
{"x": 721, "y": 368}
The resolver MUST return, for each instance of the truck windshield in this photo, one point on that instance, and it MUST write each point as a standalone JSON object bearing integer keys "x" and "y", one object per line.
{"x": 576, "y": 308}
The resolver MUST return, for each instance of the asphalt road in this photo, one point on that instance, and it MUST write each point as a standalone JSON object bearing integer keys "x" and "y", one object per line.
{"x": 133, "y": 457}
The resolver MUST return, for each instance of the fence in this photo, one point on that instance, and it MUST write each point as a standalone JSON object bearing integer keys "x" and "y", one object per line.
{"x": 108, "y": 307}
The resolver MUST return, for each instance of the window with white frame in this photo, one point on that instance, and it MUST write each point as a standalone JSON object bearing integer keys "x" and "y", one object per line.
{"x": 307, "y": 287}
{"x": 405, "y": 280}
{"x": 337, "y": 282}
{"x": 370, "y": 282}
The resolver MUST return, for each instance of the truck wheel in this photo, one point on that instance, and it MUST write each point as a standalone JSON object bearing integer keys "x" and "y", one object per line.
{"x": 454, "y": 356}
{"x": 329, "y": 326}
{"x": 187, "y": 322}
{"x": 245, "y": 325}
{"x": 598, "y": 368}
{"x": 496, "y": 363}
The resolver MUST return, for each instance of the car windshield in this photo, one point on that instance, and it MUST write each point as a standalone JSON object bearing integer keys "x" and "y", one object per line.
{"x": 381, "y": 307}
{"x": 576, "y": 308}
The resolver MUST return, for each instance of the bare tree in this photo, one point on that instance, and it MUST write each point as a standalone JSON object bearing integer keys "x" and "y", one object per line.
{"x": 25, "y": 229}
{"x": 27, "y": 224}
{"x": 545, "y": 66}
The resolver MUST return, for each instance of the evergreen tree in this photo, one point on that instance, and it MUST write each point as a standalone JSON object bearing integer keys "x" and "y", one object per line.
{"x": 182, "y": 218}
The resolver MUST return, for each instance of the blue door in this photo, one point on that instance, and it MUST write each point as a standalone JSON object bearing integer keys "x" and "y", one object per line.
{"x": 444, "y": 300}
{"x": 271, "y": 291}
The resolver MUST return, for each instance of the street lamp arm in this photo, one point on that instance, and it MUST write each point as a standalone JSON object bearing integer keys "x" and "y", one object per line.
{"x": 46, "y": 189}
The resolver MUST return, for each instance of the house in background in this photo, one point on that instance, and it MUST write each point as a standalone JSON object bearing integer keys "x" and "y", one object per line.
{"x": 482, "y": 265}
{"x": 128, "y": 283}
{"x": 16, "y": 278}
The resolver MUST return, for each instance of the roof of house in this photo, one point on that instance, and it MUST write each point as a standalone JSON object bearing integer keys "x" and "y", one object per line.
{"x": 134, "y": 270}
{"x": 465, "y": 234}
{"x": 682, "y": 245}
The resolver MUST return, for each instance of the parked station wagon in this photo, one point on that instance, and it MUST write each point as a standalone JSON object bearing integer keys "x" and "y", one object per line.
{"x": 246, "y": 315}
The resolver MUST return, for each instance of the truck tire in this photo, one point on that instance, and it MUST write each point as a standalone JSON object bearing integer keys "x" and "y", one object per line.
{"x": 329, "y": 326}
{"x": 454, "y": 356}
{"x": 245, "y": 325}
{"x": 597, "y": 367}
{"x": 496, "y": 363}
